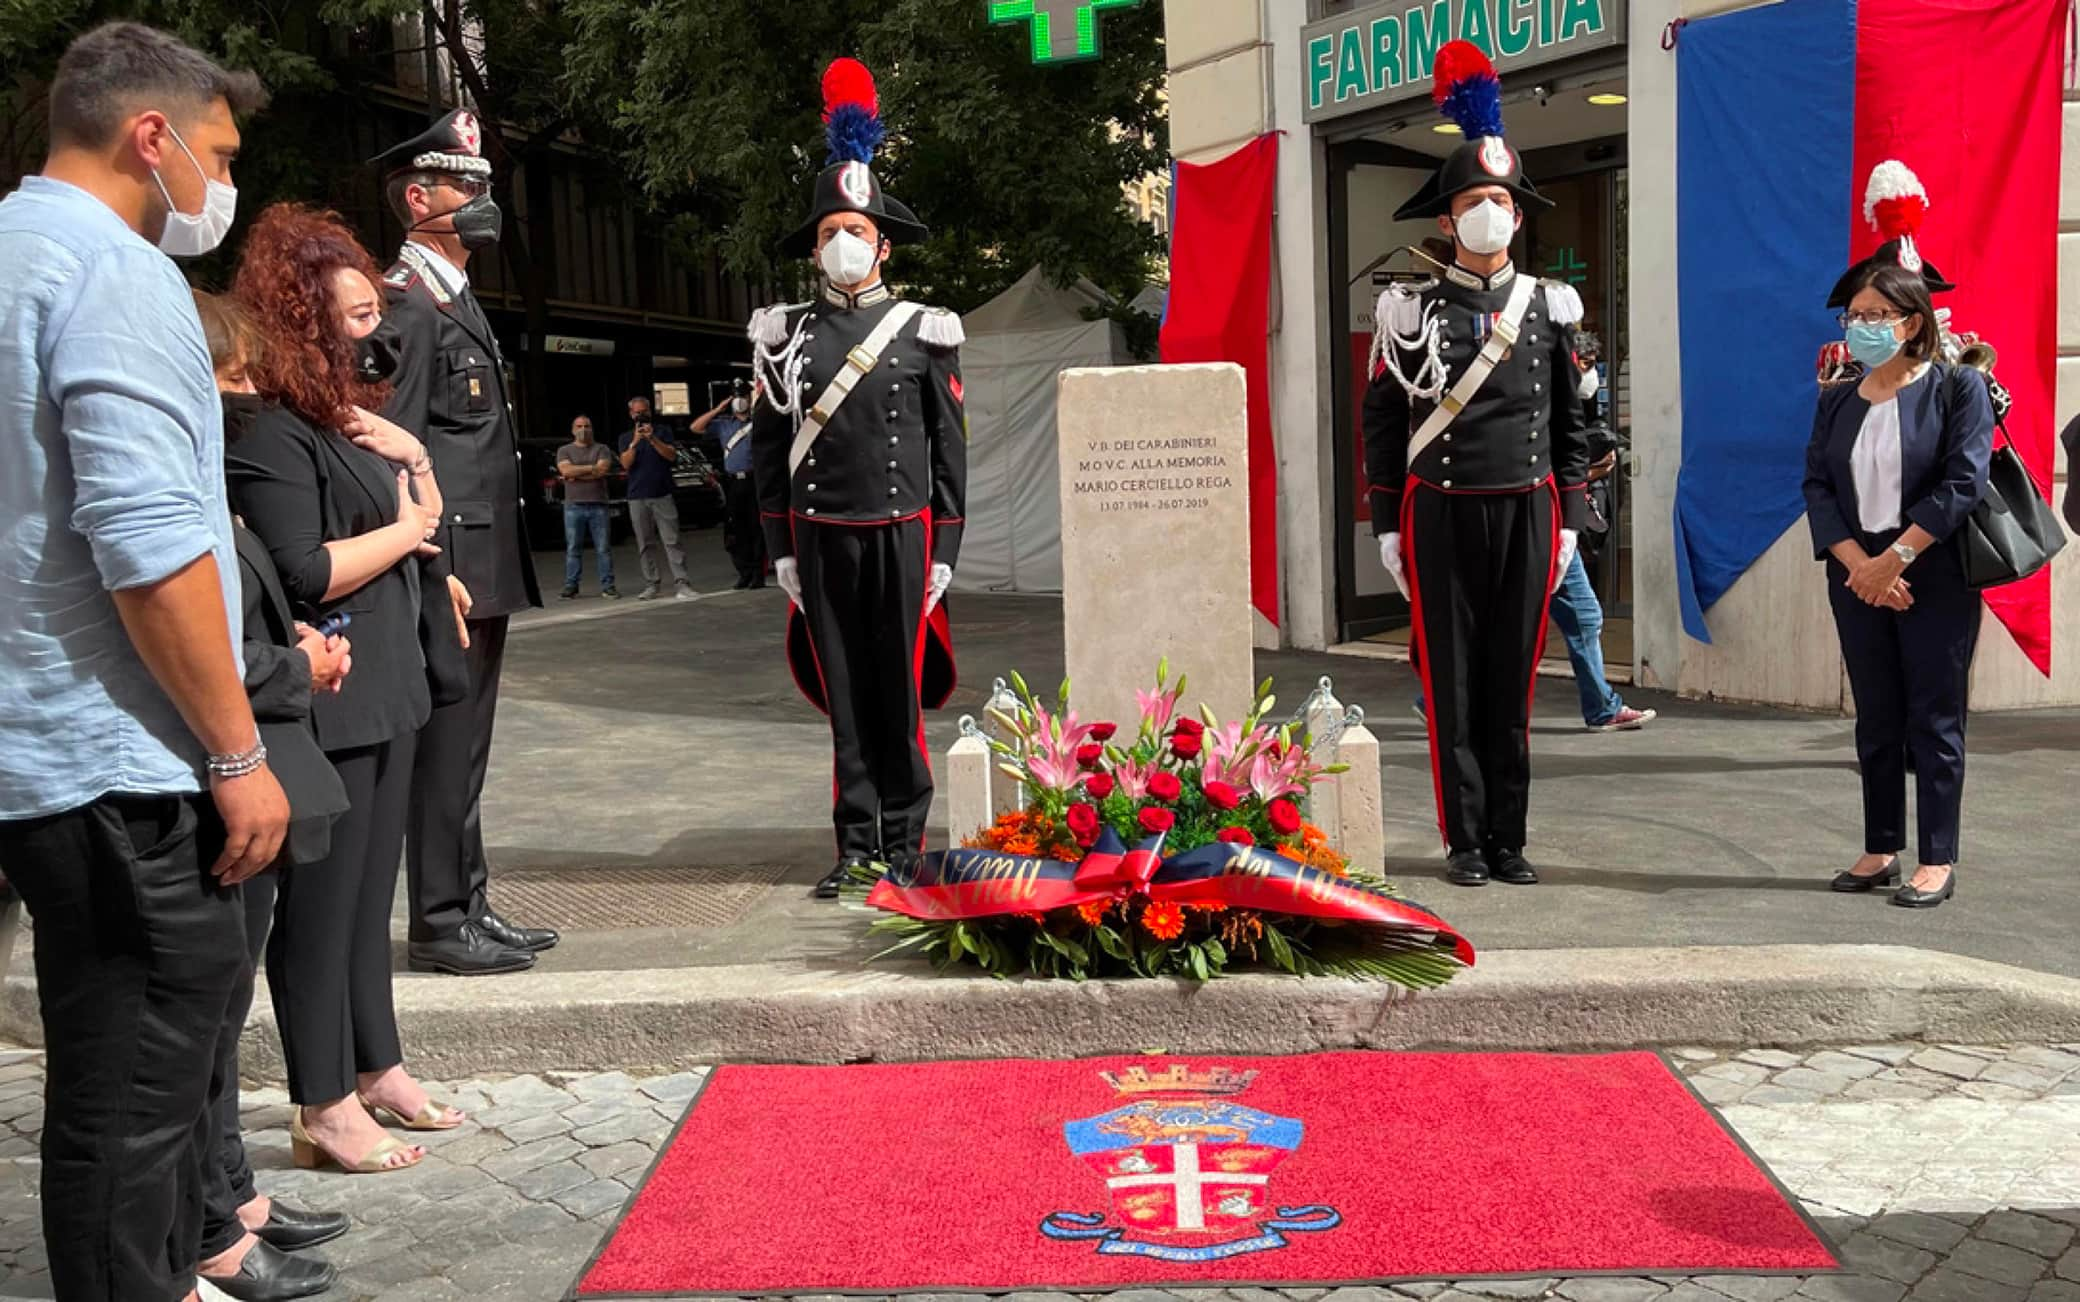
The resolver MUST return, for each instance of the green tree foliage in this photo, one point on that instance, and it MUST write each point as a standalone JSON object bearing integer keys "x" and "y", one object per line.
{"x": 717, "y": 109}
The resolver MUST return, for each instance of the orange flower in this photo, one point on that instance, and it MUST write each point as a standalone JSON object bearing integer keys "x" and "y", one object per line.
{"x": 1023, "y": 843}
{"x": 1034, "y": 917}
{"x": 1241, "y": 930}
{"x": 1210, "y": 906}
{"x": 1093, "y": 911}
{"x": 1312, "y": 835}
{"x": 1163, "y": 920}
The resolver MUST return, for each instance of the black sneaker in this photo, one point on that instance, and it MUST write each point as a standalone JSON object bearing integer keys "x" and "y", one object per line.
{"x": 610, "y": 594}
{"x": 570, "y": 594}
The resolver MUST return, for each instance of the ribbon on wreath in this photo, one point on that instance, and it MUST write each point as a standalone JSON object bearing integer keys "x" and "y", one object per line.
{"x": 961, "y": 885}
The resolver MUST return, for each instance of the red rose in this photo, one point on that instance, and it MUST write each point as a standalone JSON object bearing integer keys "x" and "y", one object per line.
{"x": 1157, "y": 820}
{"x": 1222, "y": 796}
{"x": 1236, "y": 836}
{"x": 1190, "y": 727}
{"x": 1285, "y": 817}
{"x": 1098, "y": 785}
{"x": 1186, "y": 745}
{"x": 1083, "y": 824}
{"x": 1090, "y": 755}
{"x": 1165, "y": 786}
{"x": 1104, "y": 731}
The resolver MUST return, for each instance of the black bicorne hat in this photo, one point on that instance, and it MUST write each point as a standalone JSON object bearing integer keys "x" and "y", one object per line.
{"x": 1467, "y": 90}
{"x": 852, "y": 129}
{"x": 1895, "y": 204}
{"x": 453, "y": 144}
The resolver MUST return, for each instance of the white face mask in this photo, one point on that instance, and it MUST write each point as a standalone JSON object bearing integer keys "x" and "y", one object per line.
{"x": 1589, "y": 385}
{"x": 739, "y": 406}
{"x": 1486, "y": 228}
{"x": 847, "y": 259}
{"x": 190, "y": 235}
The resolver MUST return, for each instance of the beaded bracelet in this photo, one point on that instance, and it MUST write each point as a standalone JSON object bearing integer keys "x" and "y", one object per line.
{"x": 241, "y": 764}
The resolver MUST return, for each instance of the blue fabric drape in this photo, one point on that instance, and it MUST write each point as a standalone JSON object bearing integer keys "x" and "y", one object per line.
{"x": 1764, "y": 138}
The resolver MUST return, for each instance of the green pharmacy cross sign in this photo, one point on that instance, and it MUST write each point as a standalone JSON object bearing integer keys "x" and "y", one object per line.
{"x": 1064, "y": 31}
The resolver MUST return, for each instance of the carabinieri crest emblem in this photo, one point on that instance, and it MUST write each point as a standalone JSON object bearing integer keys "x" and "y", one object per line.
{"x": 1188, "y": 1171}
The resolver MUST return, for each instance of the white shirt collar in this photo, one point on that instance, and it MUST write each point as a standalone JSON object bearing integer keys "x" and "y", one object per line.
{"x": 453, "y": 278}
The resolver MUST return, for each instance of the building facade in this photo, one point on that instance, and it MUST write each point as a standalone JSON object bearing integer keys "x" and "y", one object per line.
{"x": 1591, "y": 103}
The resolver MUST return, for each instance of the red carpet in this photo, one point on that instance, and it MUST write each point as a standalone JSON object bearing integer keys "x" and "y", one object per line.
{"x": 1332, "y": 1168}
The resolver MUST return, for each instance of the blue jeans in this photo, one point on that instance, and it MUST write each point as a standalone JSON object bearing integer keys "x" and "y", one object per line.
{"x": 580, "y": 520}
{"x": 1579, "y": 617}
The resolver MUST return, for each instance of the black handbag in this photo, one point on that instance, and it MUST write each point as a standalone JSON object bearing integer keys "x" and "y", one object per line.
{"x": 2011, "y": 533}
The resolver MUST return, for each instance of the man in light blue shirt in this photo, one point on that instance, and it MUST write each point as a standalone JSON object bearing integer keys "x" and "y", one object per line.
{"x": 134, "y": 794}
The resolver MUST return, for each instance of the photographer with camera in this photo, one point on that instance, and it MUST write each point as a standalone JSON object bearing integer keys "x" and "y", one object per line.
{"x": 648, "y": 455}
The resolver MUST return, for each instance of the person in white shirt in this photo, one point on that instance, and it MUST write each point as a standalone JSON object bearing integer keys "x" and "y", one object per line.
{"x": 1897, "y": 460}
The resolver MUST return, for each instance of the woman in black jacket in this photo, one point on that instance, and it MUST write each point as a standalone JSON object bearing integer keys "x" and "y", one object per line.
{"x": 1896, "y": 463}
{"x": 345, "y": 527}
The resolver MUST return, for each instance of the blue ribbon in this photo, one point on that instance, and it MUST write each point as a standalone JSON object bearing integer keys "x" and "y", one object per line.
{"x": 1113, "y": 1243}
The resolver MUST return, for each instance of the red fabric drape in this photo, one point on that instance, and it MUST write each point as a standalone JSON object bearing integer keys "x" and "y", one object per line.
{"x": 1220, "y": 311}
{"x": 1967, "y": 93}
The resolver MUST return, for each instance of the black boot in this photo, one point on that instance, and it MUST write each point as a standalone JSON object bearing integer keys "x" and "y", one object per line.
{"x": 292, "y": 1229}
{"x": 1466, "y": 868}
{"x": 827, "y": 889}
{"x": 1511, "y": 868}
{"x": 531, "y": 940}
{"x": 270, "y": 1275}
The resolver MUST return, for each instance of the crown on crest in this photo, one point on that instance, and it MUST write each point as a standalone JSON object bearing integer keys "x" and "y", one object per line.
{"x": 1140, "y": 1082}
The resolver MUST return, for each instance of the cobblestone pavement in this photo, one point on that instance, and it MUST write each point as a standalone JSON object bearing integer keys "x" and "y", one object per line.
{"x": 1944, "y": 1174}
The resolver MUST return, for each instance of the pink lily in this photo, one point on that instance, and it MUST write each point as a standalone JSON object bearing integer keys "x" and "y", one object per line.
{"x": 1156, "y": 709}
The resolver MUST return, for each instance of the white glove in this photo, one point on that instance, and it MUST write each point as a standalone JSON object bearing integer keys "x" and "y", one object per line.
{"x": 1390, "y": 556}
{"x": 789, "y": 574}
{"x": 1569, "y": 541}
{"x": 942, "y": 578}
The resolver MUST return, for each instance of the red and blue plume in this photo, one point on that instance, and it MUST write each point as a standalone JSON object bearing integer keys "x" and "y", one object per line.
{"x": 851, "y": 112}
{"x": 1464, "y": 84}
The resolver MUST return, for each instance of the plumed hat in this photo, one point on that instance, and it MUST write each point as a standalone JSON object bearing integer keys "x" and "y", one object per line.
{"x": 852, "y": 131}
{"x": 453, "y": 144}
{"x": 1467, "y": 91}
{"x": 1894, "y": 203}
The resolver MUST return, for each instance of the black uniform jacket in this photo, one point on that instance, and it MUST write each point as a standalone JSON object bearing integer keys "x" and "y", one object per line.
{"x": 1521, "y": 428}
{"x": 278, "y": 683}
{"x": 896, "y": 449}
{"x": 1945, "y": 446}
{"x": 450, "y": 390}
{"x": 298, "y": 488}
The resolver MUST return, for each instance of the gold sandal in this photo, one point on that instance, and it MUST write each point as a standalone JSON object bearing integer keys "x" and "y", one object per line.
{"x": 310, "y": 1155}
{"x": 432, "y": 1117}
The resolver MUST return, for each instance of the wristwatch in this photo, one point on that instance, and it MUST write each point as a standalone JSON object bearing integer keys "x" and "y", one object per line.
{"x": 1905, "y": 553}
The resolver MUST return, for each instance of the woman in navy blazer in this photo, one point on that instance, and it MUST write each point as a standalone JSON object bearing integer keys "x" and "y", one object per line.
{"x": 1896, "y": 463}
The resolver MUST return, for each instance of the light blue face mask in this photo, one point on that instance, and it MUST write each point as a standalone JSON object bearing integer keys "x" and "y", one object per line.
{"x": 1873, "y": 344}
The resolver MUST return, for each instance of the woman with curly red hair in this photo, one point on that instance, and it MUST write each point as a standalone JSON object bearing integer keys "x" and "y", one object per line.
{"x": 346, "y": 503}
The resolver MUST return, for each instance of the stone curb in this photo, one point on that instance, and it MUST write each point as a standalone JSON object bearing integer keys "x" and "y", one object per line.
{"x": 661, "y": 1020}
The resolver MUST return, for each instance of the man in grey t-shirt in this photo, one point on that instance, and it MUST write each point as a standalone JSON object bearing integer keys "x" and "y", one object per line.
{"x": 584, "y": 466}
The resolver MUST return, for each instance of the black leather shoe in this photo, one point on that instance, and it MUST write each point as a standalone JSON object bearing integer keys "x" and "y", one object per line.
{"x": 756, "y": 585}
{"x": 827, "y": 889}
{"x": 1850, "y": 883}
{"x": 469, "y": 952}
{"x": 1511, "y": 868}
{"x": 530, "y": 940}
{"x": 742, "y": 583}
{"x": 292, "y": 1230}
{"x": 270, "y": 1275}
{"x": 1909, "y": 898}
{"x": 1466, "y": 868}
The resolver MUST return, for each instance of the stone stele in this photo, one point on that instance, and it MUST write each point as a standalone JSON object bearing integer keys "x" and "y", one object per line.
{"x": 1155, "y": 535}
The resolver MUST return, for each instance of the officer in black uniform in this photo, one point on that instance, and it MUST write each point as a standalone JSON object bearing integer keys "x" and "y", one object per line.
{"x": 1477, "y": 521}
{"x": 451, "y": 390}
{"x": 860, "y": 460}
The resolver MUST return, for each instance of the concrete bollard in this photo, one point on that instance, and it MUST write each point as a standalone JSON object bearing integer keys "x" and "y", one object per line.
{"x": 1361, "y": 830}
{"x": 967, "y": 786}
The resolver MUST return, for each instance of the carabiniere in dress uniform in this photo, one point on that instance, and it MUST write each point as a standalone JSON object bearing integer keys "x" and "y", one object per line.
{"x": 860, "y": 460}
{"x": 1476, "y": 463}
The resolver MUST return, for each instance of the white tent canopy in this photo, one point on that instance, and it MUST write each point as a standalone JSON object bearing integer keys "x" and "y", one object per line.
{"x": 1018, "y": 342}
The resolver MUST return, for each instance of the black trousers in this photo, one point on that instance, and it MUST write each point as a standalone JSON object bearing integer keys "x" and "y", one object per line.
{"x": 1480, "y": 567}
{"x": 445, "y": 843}
{"x": 863, "y": 591}
{"x": 138, "y": 950}
{"x": 328, "y": 963}
{"x": 1910, "y": 672}
{"x": 227, "y": 1176}
{"x": 747, "y": 538}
